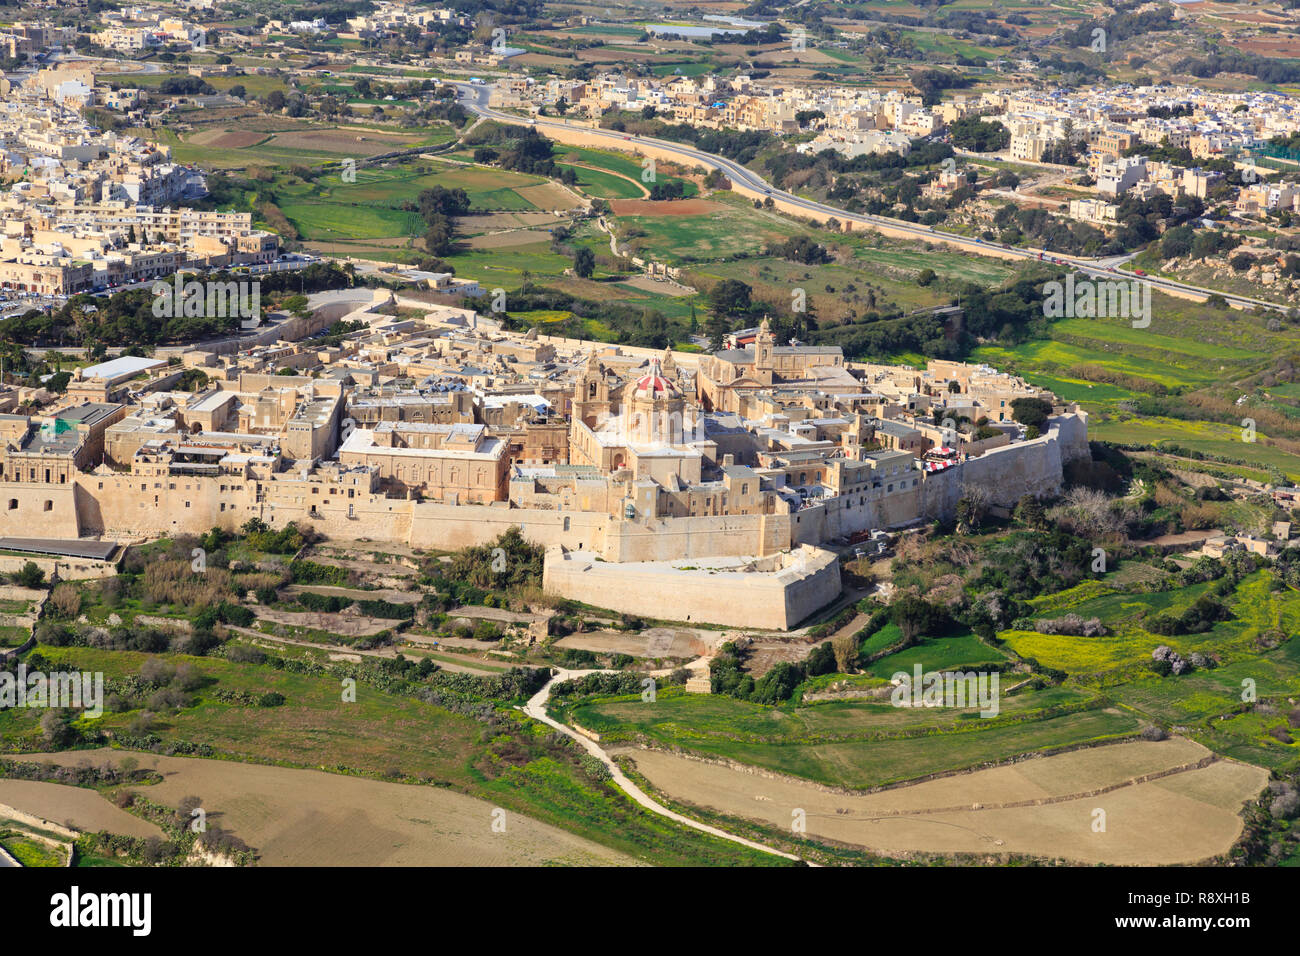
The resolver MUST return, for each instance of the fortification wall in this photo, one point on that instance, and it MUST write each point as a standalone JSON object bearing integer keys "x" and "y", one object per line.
{"x": 38, "y": 511}
{"x": 770, "y": 600}
{"x": 667, "y": 539}
{"x": 1005, "y": 474}
{"x": 451, "y": 526}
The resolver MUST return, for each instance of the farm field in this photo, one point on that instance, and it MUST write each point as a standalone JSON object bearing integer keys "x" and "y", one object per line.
{"x": 286, "y": 144}
{"x": 72, "y": 806}
{"x": 964, "y": 651}
{"x": 1256, "y": 609}
{"x": 1106, "y": 364}
{"x": 857, "y": 744}
{"x": 379, "y": 735}
{"x": 1188, "y": 815}
{"x": 604, "y": 185}
{"x": 714, "y": 233}
{"x": 372, "y": 207}
{"x": 309, "y": 818}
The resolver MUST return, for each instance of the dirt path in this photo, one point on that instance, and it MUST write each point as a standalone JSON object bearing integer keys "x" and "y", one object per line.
{"x": 344, "y": 651}
{"x": 536, "y": 708}
{"x": 356, "y": 594}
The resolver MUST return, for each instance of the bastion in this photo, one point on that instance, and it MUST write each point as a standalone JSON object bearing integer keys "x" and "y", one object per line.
{"x": 774, "y": 592}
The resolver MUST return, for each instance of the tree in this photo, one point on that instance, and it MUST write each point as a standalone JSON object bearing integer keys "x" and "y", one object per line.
{"x": 1030, "y": 513}
{"x": 275, "y": 100}
{"x": 845, "y": 648}
{"x": 56, "y": 727}
{"x": 729, "y": 297}
{"x": 584, "y": 262}
{"x": 29, "y": 576}
{"x": 1031, "y": 411}
{"x": 914, "y": 617}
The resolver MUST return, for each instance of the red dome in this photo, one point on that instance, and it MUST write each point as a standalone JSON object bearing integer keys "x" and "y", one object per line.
{"x": 653, "y": 384}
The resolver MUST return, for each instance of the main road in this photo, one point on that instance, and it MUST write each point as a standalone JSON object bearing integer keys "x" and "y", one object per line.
{"x": 474, "y": 97}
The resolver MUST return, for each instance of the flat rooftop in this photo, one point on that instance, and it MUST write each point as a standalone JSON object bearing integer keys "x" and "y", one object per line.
{"x": 127, "y": 366}
{"x": 61, "y": 547}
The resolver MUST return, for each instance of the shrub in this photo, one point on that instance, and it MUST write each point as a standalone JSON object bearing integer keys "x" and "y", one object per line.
{"x": 66, "y": 600}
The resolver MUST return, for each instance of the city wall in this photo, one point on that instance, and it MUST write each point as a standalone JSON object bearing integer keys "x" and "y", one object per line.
{"x": 784, "y": 590}
{"x": 130, "y": 507}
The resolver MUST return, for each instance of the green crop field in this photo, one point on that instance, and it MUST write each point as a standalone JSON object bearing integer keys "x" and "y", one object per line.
{"x": 603, "y": 185}
{"x": 855, "y": 744}
{"x": 963, "y": 651}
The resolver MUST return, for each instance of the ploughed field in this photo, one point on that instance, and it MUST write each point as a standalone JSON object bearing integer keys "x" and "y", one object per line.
{"x": 308, "y": 818}
{"x": 1134, "y": 803}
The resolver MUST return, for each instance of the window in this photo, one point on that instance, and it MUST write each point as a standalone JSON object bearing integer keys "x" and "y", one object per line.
{"x": 49, "y": 505}
{"x": 566, "y": 523}
{"x": 13, "y": 504}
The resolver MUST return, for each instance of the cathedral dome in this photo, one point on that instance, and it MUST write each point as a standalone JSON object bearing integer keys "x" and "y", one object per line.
{"x": 653, "y": 384}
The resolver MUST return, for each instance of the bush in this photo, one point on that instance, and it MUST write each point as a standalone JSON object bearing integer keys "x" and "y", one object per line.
{"x": 29, "y": 576}
{"x": 66, "y": 599}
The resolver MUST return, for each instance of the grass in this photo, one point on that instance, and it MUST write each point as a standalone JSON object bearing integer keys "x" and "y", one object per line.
{"x": 603, "y": 185}
{"x": 860, "y": 743}
{"x": 383, "y": 734}
{"x": 1255, "y": 606}
{"x": 965, "y": 651}
{"x": 29, "y": 851}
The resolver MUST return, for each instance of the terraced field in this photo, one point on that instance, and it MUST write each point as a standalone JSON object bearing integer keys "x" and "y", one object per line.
{"x": 1162, "y": 803}
{"x": 860, "y": 743}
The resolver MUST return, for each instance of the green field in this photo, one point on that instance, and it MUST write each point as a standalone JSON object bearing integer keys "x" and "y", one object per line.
{"x": 854, "y": 744}
{"x": 964, "y": 651}
{"x": 390, "y": 735}
{"x": 603, "y": 185}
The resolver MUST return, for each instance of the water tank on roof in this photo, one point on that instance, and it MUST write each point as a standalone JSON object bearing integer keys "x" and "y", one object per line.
{"x": 629, "y": 511}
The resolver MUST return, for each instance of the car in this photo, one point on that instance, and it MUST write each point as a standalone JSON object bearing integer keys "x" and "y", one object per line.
{"x": 1138, "y": 272}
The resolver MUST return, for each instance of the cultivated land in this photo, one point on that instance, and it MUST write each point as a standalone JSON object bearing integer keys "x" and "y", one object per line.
{"x": 401, "y": 778}
{"x": 1039, "y": 808}
{"x": 308, "y": 818}
{"x": 72, "y": 806}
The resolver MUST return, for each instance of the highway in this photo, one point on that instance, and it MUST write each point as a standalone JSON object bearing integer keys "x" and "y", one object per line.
{"x": 474, "y": 97}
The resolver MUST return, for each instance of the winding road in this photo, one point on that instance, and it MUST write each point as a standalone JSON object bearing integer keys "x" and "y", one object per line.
{"x": 474, "y": 97}
{"x": 536, "y": 709}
